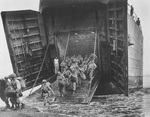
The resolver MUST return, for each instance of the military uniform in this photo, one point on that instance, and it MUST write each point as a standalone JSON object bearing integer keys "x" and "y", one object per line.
{"x": 61, "y": 83}
{"x": 74, "y": 76}
{"x": 67, "y": 75}
{"x": 91, "y": 67}
{"x": 63, "y": 65}
{"x": 46, "y": 88}
{"x": 82, "y": 71}
{"x": 16, "y": 86}
{"x": 7, "y": 80}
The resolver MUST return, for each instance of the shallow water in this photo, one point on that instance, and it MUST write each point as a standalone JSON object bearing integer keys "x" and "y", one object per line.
{"x": 136, "y": 105}
{"x": 146, "y": 105}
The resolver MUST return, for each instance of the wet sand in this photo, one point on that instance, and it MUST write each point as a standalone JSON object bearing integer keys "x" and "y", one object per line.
{"x": 136, "y": 105}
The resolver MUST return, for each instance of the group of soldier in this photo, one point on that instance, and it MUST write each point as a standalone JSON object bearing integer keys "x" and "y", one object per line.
{"x": 73, "y": 71}
{"x": 13, "y": 91}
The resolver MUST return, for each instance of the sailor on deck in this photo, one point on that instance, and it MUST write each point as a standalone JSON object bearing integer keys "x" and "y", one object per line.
{"x": 131, "y": 10}
{"x": 138, "y": 21}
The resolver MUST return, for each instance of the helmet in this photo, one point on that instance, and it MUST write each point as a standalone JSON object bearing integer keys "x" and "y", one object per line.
{"x": 12, "y": 75}
{"x": 43, "y": 80}
{"x": 6, "y": 77}
{"x": 58, "y": 72}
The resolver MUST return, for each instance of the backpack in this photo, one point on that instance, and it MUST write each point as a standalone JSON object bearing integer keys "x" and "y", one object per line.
{"x": 61, "y": 82}
{"x": 73, "y": 79}
{"x": 22, "y": 82}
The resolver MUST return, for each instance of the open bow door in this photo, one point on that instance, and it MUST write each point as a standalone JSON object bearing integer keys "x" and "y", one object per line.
{"x": 26, "y": 42}
{"x": 117, "y": 34}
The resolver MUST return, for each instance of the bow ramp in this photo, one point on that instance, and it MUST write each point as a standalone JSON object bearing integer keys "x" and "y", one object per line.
{"x": 83, "y": 94}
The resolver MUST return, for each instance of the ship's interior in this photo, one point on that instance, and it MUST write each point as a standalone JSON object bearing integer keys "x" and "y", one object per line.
{"x": 35, "y": 39}
{"x": 82, "y": 29}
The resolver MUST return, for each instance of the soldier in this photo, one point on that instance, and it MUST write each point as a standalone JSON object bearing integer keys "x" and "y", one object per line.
{"x": 85, "y": 58}
{"x": 2, "y": 92}
{"x": 67, "y": 75}
{"x": 10, "y": 95}
{"x": 68, "y": 61}
{"x": 74, "y": 81}
{"x": 7, "y": 80}
{"x": 82, "y": 72}
{"x": 91, "y": 67}
{"x": 46, "y": 90}
{"x": 63, "y": 64}
{"x": 61, "y": 83}
{"x": 8, "y": 88}
{"x": 74, "y": 75}
{"x": 17, "y": 89}
{"x": 80, "y": 58}
{"x": 75, "y": 71}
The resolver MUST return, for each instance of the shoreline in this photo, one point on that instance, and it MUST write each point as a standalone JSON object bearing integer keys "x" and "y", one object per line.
{"x": 118, "y": 105}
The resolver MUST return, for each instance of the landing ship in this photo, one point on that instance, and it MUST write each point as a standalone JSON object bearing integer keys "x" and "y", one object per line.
{"x": 77, "y": 27}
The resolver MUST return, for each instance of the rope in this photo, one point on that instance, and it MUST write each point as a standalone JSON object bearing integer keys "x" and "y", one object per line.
{"x": 90, "y": 83}
{"x": 40, "y": 69}
{"x": 95, "y": 44}
{"x": 67, "y": 45}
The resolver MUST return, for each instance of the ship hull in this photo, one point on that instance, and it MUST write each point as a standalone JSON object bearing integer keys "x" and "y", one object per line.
{"x": 135, "y": 54}
{"x": 74, "y": 28}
